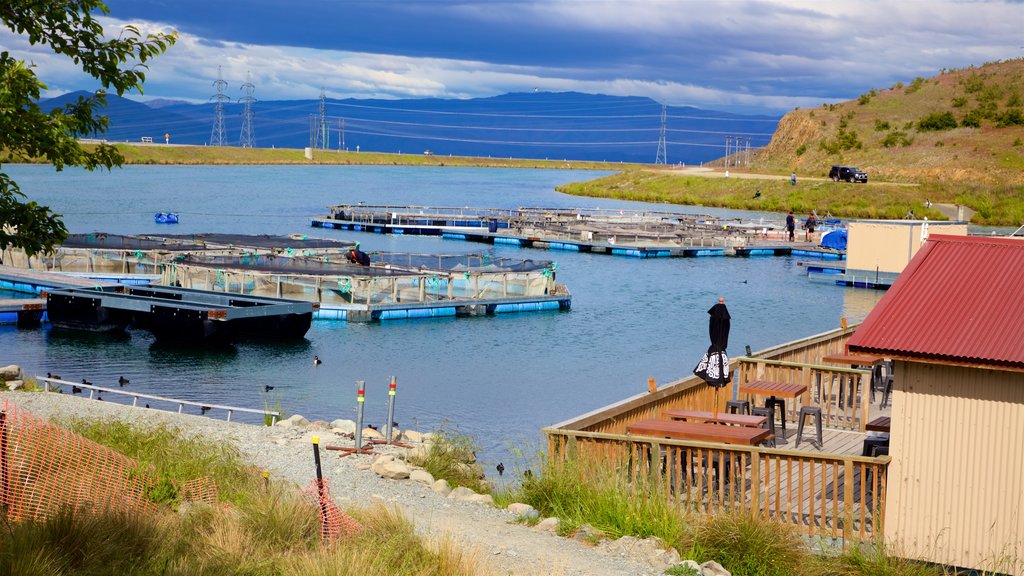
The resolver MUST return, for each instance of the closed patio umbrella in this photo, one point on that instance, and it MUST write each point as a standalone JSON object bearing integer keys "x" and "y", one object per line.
{"x": 713, "y": 367}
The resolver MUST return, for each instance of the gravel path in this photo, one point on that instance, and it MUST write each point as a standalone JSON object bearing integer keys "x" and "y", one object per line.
{"x": 504, "y": 547}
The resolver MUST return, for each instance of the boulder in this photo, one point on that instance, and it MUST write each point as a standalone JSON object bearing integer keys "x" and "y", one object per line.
{"x": 692, "y": 566}
{"x": 371, "y": 433}
{"x": 412, "y": 436}
{"x": 461, "y": 493}
{"x": 14, "y": 384}
{"x": 341, "y": 426}
{"x": 520, "y": 509}
{"x": 471, "y": 470}
{"x": 417, "y": 453}
{"x": 548, "y": 525}
{"x": 481, "y": 499}
{"x": 319, "y": 425}
{"x": 712, "y": 568}
{"x": 293, "y": 421}
{"x": 422, "y": 476}
{"x": 391, "y": 468}
{"x": 10, "y": 372}
{"x": 589, "y": 534}
{"x": 442, "y": 487}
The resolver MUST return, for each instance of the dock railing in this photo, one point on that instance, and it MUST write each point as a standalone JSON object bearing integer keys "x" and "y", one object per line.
{"x": 93, "y": 390}
{"x": 836, "y": 495}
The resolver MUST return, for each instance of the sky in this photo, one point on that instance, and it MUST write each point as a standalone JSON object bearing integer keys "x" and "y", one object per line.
{"x": 744, "y": 56}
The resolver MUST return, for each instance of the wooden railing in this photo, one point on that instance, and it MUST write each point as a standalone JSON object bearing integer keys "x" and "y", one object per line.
{"x": 826, "y": 495}
{"x": 843, "y": 394}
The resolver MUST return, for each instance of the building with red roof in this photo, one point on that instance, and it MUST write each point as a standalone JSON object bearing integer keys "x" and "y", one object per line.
{"x": 953, "y": 324}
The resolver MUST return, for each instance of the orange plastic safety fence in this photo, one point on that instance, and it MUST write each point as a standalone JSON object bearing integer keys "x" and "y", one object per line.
{"x": 44, "y": 468}
{"x": 334, "y": 523}
{"x": 202, "y": 490}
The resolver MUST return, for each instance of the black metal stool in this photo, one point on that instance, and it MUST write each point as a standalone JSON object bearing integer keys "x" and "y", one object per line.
{"x": 815, "y": 412}
{"x": 769, "y": 412}
{"x": 778, "y": 406}
{"x": 737, "y": 407}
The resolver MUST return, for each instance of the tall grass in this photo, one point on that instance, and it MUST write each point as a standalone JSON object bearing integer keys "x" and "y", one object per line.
{"x": 449, "y": 458}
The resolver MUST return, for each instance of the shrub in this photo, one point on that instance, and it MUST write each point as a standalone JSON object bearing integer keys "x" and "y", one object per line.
{"x": 452, "y": 456}
{"x": 972, "y": 119}
{"x": 937, "y": 121}
{"x": 973, "y": 83}
{"x": 1014, "y": 100}
{"x": 1012, "y": 117}
{"x": 801, "y": 149}
{"x": 915, "y": 85}
{"x": 897, "y": 86}
{"x": 864, "y": 99}
{"x": 959, "y": 102}
{"x": 748, "y": 546}
{"x": 881, "y": 125}
{"x": 896, "y": 138}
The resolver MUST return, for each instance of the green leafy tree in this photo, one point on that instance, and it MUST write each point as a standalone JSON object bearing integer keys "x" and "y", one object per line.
{"x": 69, "y": 28}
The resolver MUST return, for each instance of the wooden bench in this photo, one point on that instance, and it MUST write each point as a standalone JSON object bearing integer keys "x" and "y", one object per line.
{"x": 701, "y": 432}
{"x": 880, "y": 424}
{"x": 720, "y": 418}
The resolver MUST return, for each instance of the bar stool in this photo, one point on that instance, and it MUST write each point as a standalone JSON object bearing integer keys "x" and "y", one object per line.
{"x": 769, "y": 412}
{"x": 737, "y": 407}
{"x": 778, "y": 406}
{"x": 814, "y": 412}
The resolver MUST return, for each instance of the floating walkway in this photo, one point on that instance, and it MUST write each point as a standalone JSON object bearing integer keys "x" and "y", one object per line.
{"x": 413, "y": 220}
{"x": 22, "y": 311}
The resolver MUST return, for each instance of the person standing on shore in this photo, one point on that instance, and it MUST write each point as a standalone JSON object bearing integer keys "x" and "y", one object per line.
{"x": 792, "y": 179}
{"x": 791, "y": 225}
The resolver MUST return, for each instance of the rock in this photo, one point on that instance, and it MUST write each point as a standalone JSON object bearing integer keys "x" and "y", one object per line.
{"x": 520, "y": 509}
{"x": 345, "y": 426}
{"x": 371, "y": 433}
{"x": 461, "y": 493}
{"x": 292, "y": 421}
{"x": 281, "y": 441}
{"x": 422, "y": 476}
{"x": 471, "y": 470}
{"x": 548, "y": 525}
{"x": 442, "y": 487}
{"x": 589, "y": 534}
{"x": 387, "y": 466}
{"x": 10, "y": 372}
{"x": 362, "y": 465}
{"x": 692, "y": 566}
{"x": 412, "y": 436}
{"x": 481, "y": 499}
{"x": 14, "y": 384}
{"x": 417, "y": 453}
{"x": 319, "y": 425}
{"x": 712, "y": 568}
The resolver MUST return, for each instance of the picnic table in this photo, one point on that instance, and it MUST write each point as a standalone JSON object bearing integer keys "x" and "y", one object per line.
{"x": 720, "y": 418}
{"x": 880, "y": 424}
{"x": 773, "y": 389}
{"x": 699, "y": 431}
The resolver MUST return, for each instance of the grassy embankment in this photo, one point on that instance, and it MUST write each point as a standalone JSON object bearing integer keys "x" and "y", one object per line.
{"x": 254, "y": 529}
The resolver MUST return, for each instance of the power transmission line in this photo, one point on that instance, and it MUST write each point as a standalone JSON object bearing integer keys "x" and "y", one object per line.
{"x": 217, "y": 133}
{"x": 323, "y": 134}
{"x": 248, "y": 137}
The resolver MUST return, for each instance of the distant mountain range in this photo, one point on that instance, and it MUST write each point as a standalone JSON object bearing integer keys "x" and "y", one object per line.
{"x": 551, "y": 125}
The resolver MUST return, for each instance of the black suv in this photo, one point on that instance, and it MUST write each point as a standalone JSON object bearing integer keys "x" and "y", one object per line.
{"x": 848, "y": 174}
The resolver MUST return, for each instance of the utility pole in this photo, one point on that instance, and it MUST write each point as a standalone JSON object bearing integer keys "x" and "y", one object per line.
{"x": 662, "y": 155}
{"x": 217, "y": 134}
{"x": 248, "y": 137}
{"x": 728, "y": 145}
{"x": 341, "y": 134}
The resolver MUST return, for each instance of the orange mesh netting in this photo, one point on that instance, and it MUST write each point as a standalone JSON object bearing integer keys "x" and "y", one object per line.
{"x": 334, "y": 523}
{"x": 44, "y": 468}
{"x": 199, "y": 490}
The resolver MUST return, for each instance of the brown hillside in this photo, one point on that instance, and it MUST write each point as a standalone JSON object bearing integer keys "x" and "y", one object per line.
{"x": 979, "y": 112}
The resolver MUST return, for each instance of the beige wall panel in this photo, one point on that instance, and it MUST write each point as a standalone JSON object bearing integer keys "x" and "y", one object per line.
{"x": 889, "y": 244}
{"x": 956, "y": 482}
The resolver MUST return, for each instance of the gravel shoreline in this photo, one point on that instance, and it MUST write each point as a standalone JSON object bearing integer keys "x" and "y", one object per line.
{"x": 503, "y": 547}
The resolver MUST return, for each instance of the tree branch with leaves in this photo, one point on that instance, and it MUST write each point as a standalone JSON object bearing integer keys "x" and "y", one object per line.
{"x": 69, "y": 28}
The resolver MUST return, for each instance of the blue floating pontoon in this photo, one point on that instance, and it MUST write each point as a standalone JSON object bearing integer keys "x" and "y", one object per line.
{"x": 165, "y": 218}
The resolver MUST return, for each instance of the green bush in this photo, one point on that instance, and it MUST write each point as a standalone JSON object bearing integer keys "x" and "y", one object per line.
{"x": 896, "y": 138}
{"x": 915, "y": 85}
{"x": 864, "y": 99}
{"x": 937, "y": 121}
{"x": 881, "y": 125}
{"x": 959, "y": 102}
{"x": 747, "y": 546}
{"x": 801, "y": 149}
{"x": 973, "y": 83}
{"x": 1012, "y": 117}
{"x": 449, "y": 458}
{"x": 972, "y": 119}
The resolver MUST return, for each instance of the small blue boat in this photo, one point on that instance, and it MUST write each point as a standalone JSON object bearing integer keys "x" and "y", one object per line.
{"x": 165, "y": 218}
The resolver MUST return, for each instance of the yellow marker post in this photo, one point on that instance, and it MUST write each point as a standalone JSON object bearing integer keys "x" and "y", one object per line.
{"x": 652, "y": 387}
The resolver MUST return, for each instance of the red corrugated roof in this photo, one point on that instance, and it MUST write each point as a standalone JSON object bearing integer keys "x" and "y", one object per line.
{"x": 960, "y": 298}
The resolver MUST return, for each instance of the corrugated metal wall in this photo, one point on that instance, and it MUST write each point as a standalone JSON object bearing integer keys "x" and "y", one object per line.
{"x": 956, "y": 481}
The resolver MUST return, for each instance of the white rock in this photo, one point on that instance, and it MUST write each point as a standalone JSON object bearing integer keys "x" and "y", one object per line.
{"x": 461, "y": 493}
{"x": 548, "y": 525}
{"x": 390, "y": 468}
{"x": 421, "y": 476}
{"x": 363, "y": 465}
{"x": 346, "y": 426}
{"x": 14, "y": 384}
{"x": 481, "y": 499}
{"x": 292, "y": 421}
{"x": 712, "y": 568}
{"x": 371, "y": 433}
{"x": 417, "y": 453}
{"x": 10, "y": 372}
{"x": 588, "y": 533}
{"x": 520, "y": 509}
{"x": 442, "y": 487}
{"x": 692, "y": 565}
{"x": 412, "y": 436}
{"x": 319, "y": 425}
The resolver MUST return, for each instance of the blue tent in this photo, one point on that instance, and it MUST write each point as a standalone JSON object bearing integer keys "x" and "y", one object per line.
{"x": 835, "y": 239}
{"x": 165, "y": 218}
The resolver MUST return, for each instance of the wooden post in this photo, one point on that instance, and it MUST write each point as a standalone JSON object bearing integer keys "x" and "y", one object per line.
{"x": 755, "y": 482}
{"x": 848, "y": 501}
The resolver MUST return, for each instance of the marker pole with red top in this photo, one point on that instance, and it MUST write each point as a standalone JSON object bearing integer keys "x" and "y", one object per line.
{"x": 360, "y": 403}
{"x": 320, "y": 487}
{"x": 392, "y": 388}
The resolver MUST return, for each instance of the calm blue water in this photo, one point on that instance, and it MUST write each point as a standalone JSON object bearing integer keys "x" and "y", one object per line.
{"x": 498, "y": 378}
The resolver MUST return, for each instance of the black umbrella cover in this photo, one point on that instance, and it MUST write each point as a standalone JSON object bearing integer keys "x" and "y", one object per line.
{"x": 718, "y": 327}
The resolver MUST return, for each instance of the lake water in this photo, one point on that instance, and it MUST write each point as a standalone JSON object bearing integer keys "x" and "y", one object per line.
{"x": 499, "y": 378}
